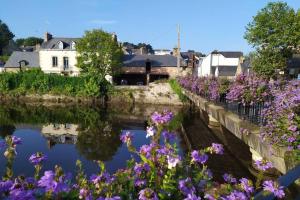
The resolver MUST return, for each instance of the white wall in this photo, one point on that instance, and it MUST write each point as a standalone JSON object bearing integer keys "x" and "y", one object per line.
{"x": 220, "y": 60}
{"x": 162, "y": 52}
{"x": 46, "y": 61}
{"x": 204, "y": 68}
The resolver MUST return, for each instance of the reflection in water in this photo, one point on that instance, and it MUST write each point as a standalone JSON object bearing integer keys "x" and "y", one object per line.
{"x": 69, "y": 133}
{"x": 66, "y": 134}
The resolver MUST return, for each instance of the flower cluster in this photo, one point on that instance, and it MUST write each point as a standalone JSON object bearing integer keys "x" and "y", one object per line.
{"x": 279, "y": 99}
{"x": 159, "y": 173}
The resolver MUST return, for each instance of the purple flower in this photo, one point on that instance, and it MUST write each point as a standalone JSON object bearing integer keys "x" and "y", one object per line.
{"x": 37, "y": 158}
{"x": 109, "y": 198}
{"x": 246, "y": 185}
{"x": 150, "y": 131}
{"x": 217, "y": 148}
{"x": 85, "y": 194}
{"x": 127, "y": 137}
{"x": 162, "y": 118}
{"x": 274, "y": 188}
{"x": 104, "y": 177}
{"x": 5, "y": 185}
{"x": 16, "y": 140}
{"x": 50, "y": 184}
{"x": 140, "y": 168}
{"x": 263, "y": 165}
{"x": 192, "y": 197}
{"x": 198, "y": 158}
{"x": 168, "y": 135}
{"x": 186, "y": 186}
{"x": 20, "y": 194}
{"x": 139, "y": 182}
{"x": 147, "y": 194}
{"x": 172, "y": 161}
{"x": 229, "y": 178}
{"x": 234, "y": 195}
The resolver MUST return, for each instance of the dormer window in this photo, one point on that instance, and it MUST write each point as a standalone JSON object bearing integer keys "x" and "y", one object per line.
{"x": 60, "y": 45}
{"x": 73, "y": 45}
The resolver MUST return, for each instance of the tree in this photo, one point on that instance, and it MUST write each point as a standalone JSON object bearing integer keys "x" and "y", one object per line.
{"x": 99, "y": 54}
{"x": 275, "y": 33}
{"x": 30, "y": 41}
{"x": 5, "y": 36}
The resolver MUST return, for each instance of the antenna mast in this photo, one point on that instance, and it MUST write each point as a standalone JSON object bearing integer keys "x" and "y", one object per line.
{"x": 178, "y": 46}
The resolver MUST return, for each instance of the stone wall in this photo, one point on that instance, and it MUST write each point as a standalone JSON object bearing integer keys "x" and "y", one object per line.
{"x": 279, "y": 156}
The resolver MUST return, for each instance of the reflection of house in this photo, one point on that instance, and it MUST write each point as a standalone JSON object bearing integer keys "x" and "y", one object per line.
{"x": 60, "y": 133}
{"x": 147, "y": 68}
{"x": 22, "y": 60}
{"x": 221, "y": 64}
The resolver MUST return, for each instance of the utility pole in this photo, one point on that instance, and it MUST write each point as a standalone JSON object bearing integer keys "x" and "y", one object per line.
{"x": 178, "y": 46}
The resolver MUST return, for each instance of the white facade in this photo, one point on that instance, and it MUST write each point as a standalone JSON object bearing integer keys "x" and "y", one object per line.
{"x": 46, "y": 57}
{"x": 209, "y": 66}
{"x": 162, "y": 52}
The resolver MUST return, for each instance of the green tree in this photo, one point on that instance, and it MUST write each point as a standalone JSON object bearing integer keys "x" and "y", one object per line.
{"x": 275, "y": 33}
{"x": 5, "y": 36}
{"x": 30, "y": 41}
{"x": 99, "y": 54}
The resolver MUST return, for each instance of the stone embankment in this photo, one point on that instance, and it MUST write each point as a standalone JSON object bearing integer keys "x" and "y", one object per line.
{"x": 155, "y": 93}
{"x": 282, "y": 159}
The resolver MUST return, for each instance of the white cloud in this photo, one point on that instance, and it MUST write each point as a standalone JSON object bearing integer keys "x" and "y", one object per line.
{"x": 101, "y": 21}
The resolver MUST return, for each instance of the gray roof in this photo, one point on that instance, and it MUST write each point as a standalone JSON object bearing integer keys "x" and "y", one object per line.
{"x": 227, "y": 70}
{"x": 229, "y": 54}
{"x": 294, "y": 62}
{"x": 53, "y": 43}
{"x": 156, "y": 60}
{"x": 31, "y": 59}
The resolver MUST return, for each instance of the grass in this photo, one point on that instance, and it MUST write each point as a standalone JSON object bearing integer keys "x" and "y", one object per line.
{"x": 177, "y": 89}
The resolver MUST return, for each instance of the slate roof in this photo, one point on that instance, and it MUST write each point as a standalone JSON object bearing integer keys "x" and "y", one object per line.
{"x": 156, "y": 60}
{"x": 31, "y": 59}
{"x": 294, "y": 62}
{"x": 53, "y": 43}
{"x": 229, "y": 54}
{"x": 227, "y": 70}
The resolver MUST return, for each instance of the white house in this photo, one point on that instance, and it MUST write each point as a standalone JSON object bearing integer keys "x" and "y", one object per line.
{"x": 58, "y": 55}
{"x": 162, "y": 52}
{"x": 220, "y": 63}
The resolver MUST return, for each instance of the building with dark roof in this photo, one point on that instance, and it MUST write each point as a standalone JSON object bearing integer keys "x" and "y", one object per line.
{"x": 58, "y": 55}
{"x": 142, "y": 69}
{"x": 22, "y": 60}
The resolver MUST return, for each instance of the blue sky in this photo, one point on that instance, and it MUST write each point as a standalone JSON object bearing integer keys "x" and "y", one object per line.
{"x": 205, "y": 25}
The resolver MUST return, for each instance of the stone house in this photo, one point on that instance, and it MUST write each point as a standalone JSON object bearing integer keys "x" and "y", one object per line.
{"x": 142, "y": 69}
{"x": 20, "y": 60}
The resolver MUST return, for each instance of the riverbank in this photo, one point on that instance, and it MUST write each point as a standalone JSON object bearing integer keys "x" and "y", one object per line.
{"x": 155, "y": 93}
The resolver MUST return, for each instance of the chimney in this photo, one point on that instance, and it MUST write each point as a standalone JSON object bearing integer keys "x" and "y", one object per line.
{"x": 47, "y": 37}
{"x": 143, "y": 51}
{"x": 114, "y": 36}
{"x": 37, "y": 47}
{"x": 175, "y": 51}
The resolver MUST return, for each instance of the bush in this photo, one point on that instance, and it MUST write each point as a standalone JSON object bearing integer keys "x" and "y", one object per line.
{"x": 36, "y": 82}
{"x": 177, "y": 89}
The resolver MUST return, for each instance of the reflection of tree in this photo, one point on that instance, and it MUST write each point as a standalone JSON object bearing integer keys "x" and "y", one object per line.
{"x": 99, "y": 142}
{"x": 6, "y": 130}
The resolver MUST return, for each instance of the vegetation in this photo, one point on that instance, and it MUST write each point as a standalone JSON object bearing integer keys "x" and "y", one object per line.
{"x": 99, "y": 54}
{"x": 30, "y": 41}
{"x": 275, "y": 33}
{"x": 5, "y": 36}
{"x": 139, "y": 45}
{"x": 177, "y": 89}
{"x": 36, "y": 82}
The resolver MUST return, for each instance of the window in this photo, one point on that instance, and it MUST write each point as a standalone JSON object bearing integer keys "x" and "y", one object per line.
{"x": 73, "y": 45}
{"x": 60, "y": 45}
{"x": 54, "y": 61}
{"x": 66, "y": 62}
